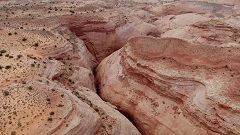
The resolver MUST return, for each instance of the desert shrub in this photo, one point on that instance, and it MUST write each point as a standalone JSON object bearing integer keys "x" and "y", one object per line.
{"x": 30, "y": 87}
{"x": 60, "y": 105}
{"x": 13, "y": 133}
{"x": 19, "y": 56}
{"x": 6, "y": 93}
{"x": 36, "y": 44}
{"x": 24, "y": 39}
{"x": 49, "y": 119}
{"x": 8, "y": 67}
{"x": 3, "y": 51}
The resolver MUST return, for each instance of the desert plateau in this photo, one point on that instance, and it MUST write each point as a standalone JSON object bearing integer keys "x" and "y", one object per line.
{"x": 120, "y": 67}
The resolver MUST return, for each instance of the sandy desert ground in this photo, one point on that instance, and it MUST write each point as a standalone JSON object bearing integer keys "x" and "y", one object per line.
{"x": 119, "y": 67}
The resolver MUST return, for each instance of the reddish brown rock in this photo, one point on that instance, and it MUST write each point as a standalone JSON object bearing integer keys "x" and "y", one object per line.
{"x": 209, "y": 32}
{"x": 169, "y": 86}
{"x": 49, "y": 51}
{"x": 47, "y": 85}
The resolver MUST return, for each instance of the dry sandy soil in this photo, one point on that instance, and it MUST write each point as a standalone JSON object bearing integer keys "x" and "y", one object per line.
{"x": 120, "y": 67}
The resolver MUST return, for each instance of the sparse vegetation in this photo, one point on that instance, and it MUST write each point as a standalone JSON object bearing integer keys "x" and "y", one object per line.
{"x": 49, "y": 119}
{"x": 36, "y": 44}
{"x": 7, "y": 55}
{"x": 71, "y": 81}
{"x": 30, "y": 87}
{"x": 60, "y": 105}
{"x": 3, "y": 51}
{"x": 19, "y": 56}
{"x": 96, "y": 109}
{"x": 10, "y": 57}
{"x": 13, "y": 133}
{"x": 51, "y": 113}
{"x": 71, "y": 40}
{"x": 48, "y": 99}
{"x": 6, "y": 93}
{"x": 8, "y": 67}
{"x": 24, "y": 39}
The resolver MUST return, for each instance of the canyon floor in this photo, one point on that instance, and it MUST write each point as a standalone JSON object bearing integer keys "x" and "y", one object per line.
{"x": 120, "y": 67}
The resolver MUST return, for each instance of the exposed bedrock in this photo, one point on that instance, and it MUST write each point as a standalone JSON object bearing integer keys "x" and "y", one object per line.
{"x": 170, "y": 86}
{"x": 52, "y": 92}
{"x": 52, "y": 83}
{"x": 45, "y": 107}
{"x": 107, "y": 32}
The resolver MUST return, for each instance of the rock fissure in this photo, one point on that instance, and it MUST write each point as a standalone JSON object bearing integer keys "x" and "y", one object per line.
{"x": 119, "y": 67}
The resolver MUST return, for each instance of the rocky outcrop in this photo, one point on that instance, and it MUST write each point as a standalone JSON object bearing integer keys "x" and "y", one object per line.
{"x": 107, "y": 32}
{"x": 169, "y": 86}
{"x": 48, "y": 87}
{"x": 211, "y": 32}
{"x": 50, "y": 51}
{"x": 45, "y": 107}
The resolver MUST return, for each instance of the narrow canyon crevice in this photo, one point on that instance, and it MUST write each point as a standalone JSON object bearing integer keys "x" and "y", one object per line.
{"x": 119, "y": 67}
{"x": 91, "y": 48}
{"x": 78, "y": 65}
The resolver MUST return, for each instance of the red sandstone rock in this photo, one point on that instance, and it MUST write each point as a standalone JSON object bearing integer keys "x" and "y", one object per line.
{"x": 49, "y": 51}
{"x": 169, "y": 86}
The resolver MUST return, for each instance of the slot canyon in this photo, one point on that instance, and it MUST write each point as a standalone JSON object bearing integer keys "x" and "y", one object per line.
{"x": 120, "y": 67}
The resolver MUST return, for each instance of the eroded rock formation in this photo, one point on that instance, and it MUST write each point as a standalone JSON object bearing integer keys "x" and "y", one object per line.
{"x": 62, "y": 71}
{"x": 169, "y": 86}
{"x": 48, "y": 86}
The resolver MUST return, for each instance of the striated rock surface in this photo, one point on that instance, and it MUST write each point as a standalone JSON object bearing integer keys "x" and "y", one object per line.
{"x": 170, "y": 86}
{"x": 210, "y": 32}
{"x": 47, "y": 85}
{"x": 46, "y": 107}
{"x": 183, "y": 83}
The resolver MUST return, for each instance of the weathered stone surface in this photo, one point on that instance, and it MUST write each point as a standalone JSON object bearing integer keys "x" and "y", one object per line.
{"x": 47, "y": 85}
{"x": 169, "y": 86}
{"x": 185, "y": 82}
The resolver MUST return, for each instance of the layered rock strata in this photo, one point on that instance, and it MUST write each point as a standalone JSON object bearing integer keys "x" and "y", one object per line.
{"x": 169, "y": 86}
